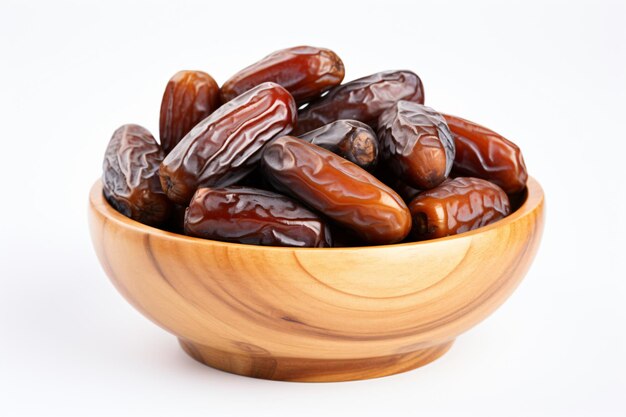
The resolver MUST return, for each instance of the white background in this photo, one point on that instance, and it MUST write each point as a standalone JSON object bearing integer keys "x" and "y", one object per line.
{"x": 549, "y": 75}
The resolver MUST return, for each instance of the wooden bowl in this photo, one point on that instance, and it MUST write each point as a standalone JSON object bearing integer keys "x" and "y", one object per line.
{"x": 301, "y": 314}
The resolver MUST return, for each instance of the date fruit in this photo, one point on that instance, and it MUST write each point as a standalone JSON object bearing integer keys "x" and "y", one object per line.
{"x": 224, "y": 147}
{"x": 305, "y": 71}
{"x": 482, "y": 153}
{"x": 363, "y": 99}
{"x": 416, "y": 144}
{"x": 457, "y": 206}
{"x": 130, "y": 175}
{"x": 337, "y": 188}
{"x": 255, "y": 217}
{"x": 350, "y": 139}
{"x": 189, "y": 97}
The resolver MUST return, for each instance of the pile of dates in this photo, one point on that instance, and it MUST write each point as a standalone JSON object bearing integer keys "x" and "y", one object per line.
{"x": 285, "y": 154}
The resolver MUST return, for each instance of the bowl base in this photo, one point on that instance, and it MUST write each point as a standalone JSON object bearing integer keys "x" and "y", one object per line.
{"x": 265, "y": 366}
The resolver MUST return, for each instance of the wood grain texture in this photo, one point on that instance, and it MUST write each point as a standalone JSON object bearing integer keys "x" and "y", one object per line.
{"x": 316, "y": 314}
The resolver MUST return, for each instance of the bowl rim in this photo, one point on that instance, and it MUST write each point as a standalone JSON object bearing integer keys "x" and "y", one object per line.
{"x": 97, "y": 202}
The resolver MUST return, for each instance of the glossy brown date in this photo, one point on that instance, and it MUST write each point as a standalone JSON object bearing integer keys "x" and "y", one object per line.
{"x": 350, "y": 139}
{"x": 130, "y": 175}
{"x": 416, "y": 144}
{"x": 224, "y": 147}
{"x": 305, "y": 71}
{"x": 189, "y": 97}
{"x": 255, "y": 217}
{"x": 457, "y": 206}
{"x": 482, "y": 153}
{"x": 337, "y": 188}
{"x": 363, "y": 99}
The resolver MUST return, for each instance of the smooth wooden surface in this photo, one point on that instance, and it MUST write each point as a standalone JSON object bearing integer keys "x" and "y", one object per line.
{"x": 316, "y": 314}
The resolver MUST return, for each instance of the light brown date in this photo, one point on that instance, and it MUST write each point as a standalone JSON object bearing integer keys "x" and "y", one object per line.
{"x": 337, "y": 188}
{"x": 130, "y": 177}
{"x": 457, "y": 206}
{"x": 224, "y": 147}
{"x": 255, "y": 217}
{"x": 189, "y": 97}
{"x": 305, "y": 71}
{"x": 482, "y": 153}
{"x": 416, "y": 144}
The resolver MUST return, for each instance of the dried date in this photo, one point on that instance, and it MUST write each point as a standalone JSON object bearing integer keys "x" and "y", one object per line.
{"x": 225, "y": 147}
{"x": 189, "y": 97}
{"x": 255, "y": 217}
{"x": 305, "y": 71}
{"x": 350, "y": 139}
{"x": 130, "y": 175}
{"x": 457, "y": 206}
{"x": 482, "y": 153}
{"x": 416, "y": 144}
{"x": 363, "y": 99}
{"x": 337, "y": 188}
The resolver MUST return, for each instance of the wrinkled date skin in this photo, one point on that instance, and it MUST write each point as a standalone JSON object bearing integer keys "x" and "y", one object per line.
{"x": 255, "y": 217}
{"x": 482, "y": 153}
{"x": 226, "y": 146}
{"x": 456, "y": 206}
{"x": 189, "y": 97}
{"x": 337, "y": 188}
{"x": 416, "y": 144}
{"x": 305, "y": 71}
{"x": 363, "y": 99}
{"x": 130, "y": 175}
{"x": 350, "y": 139}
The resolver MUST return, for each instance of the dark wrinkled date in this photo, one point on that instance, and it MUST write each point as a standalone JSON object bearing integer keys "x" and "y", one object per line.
{"x": 253, "y": 216}
{"x": 305, "y": 71}
{"x": 189, "y": 97}
{"x": 416, "y": 144}
{"x": 457, "y": 206}
{"x": 482, "y": 153}
{"x": 363, "y": 99}
{"x": 351, "y": 139}
{"x": 226, "y": 146}
{"x": 337, "y": 188}
{"x": 130, "y": 177}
